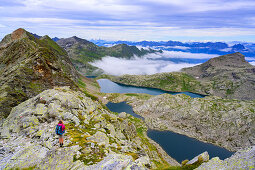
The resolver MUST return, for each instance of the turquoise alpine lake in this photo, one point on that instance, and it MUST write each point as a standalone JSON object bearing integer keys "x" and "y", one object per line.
{"x": 178, "y": 146}
{"x": 107, "y": 86}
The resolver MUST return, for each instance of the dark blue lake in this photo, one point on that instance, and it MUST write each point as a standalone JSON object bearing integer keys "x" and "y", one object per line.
{"x": 178, "y": 146}
{"x": 122, "y": 107}
{"x": 107, "y": 86}
{"x": 91, "y": 77}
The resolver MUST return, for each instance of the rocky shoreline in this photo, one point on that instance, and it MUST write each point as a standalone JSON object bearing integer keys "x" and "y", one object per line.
{"x": 228, "y": 124}
{"x": 223, "y": 122}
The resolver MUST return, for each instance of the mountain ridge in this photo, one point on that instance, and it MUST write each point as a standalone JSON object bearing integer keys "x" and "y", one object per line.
{"x": 227, "y": 76}
{"x": 30, "y": 65}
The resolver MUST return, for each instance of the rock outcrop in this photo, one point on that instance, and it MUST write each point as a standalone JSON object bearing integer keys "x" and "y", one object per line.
{"x": 94, "y": 139}
{"x": 228, "y": 76}
{"x": 28, "y": 66}
{"x": 224, "y": 122}
{"x": 242, "y": 159}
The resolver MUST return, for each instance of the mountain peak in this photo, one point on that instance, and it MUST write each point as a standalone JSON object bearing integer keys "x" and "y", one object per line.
{"x": 234, "y": 59}
{"x": 19, "y": 33}
{"x": 229, "y": 61}
{"x": 16, "y": 35}
{"x": 68, "y": 42}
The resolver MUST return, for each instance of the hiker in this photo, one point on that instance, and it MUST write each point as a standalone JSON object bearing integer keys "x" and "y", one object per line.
{"x": 60, "y": 130}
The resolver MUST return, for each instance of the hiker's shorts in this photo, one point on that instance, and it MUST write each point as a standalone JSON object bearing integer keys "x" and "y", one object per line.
{"x": 61, "y": 136}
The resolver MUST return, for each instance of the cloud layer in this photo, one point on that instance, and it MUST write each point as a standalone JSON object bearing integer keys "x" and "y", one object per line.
{"x": 180, "y": 54}
{"x": 132, "y": 20}
{"x": 149, "y": 64}
{"x": 137, "y": 66}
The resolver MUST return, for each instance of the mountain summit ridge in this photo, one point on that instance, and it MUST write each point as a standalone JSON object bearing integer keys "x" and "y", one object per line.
{"x": 29, "y": 65}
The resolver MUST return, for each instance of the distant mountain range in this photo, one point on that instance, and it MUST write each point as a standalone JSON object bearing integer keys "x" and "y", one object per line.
{"x": 220, "y": 48}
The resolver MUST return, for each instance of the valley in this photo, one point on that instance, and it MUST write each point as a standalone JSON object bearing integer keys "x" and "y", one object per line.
{"x": 43, "y": 82}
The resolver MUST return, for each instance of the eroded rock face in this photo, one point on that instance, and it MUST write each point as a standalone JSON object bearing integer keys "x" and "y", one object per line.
{"x": 227, "y": 123}
{"x": 28, "y": 136}
{"x": 242, "y": 159}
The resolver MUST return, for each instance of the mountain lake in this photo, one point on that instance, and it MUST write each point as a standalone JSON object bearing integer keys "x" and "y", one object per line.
{"x": 179, "y": 147}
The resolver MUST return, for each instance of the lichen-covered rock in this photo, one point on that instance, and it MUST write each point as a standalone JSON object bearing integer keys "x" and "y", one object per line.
{"x": 203, "y": 157}
{"x": 94, "y": 138}
{"x": 100, "y": 138}
{"x": 242, "y": 159}
{"x": 122, "y": 115}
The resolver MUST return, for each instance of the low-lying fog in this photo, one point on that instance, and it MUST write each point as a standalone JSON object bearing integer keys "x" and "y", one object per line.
{"x": 168, "y": 61}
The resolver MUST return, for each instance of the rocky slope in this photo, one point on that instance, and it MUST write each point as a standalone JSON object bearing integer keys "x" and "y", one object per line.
{"x": 228, "y": 76}
{"x": 94, "y": 139}
{"x": 28, "y": 66}
{"x": 224, "y": 122}
{"x": 82, "y": 52}
{"x": 243, "y": 159}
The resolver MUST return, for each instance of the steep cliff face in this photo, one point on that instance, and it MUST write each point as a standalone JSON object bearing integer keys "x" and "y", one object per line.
{"x": 28, "y": 66}
{"x": 95, "y": 138}
{"x": 228, "y": 76}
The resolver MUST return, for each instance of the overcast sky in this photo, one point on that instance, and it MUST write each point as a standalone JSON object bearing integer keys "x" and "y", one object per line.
{"x": 132, "y": 20}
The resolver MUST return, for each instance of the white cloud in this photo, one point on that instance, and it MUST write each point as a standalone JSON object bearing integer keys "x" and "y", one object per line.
{"x": 249, "y": 58}
{"x": 179, "y": 54}
{"x": 252, "y": 63}
{"x": 147, "y": 64}
{"x": 181, "y": 47}
{"x": 54, "y": 21}
{"x": 206, "y": 5}
{"x": 109, "y": 7}
{"x": 130, "y": 20}
{"x": 138, "y": 66}
{"x": 226, "y": 49}
{"x": 132, "y": 33}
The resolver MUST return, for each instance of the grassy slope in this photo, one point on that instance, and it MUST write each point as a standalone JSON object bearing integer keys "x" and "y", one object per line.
{"x": 175, "y": 81}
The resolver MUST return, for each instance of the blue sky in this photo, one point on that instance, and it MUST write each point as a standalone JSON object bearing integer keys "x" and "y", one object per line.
{"x": 217, "y": 20}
